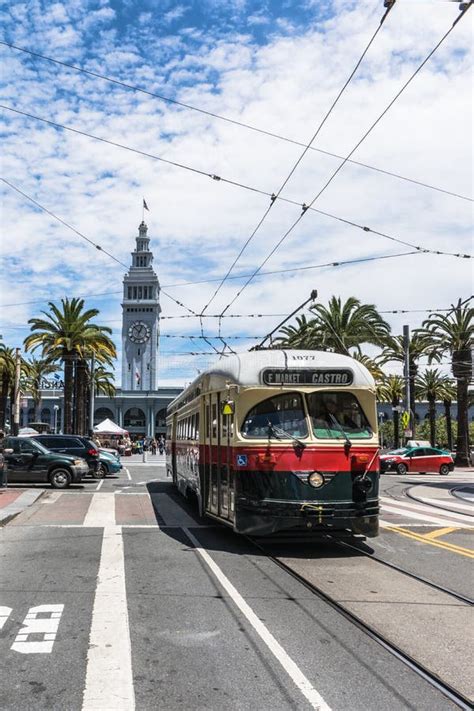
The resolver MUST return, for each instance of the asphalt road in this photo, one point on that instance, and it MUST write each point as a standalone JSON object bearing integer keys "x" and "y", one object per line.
{"x": 149, "y": 607}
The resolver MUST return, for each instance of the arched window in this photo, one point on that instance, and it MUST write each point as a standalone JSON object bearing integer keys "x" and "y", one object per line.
{"x": 160, "y": 418}
{"x": 31, "y": 414}
{"x": 46, "y": 415}
{"x": 134, "y": 417}
{"x": 103, "y": 413}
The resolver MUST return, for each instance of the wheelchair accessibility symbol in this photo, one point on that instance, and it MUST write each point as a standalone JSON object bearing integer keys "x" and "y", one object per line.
{"x": 242, "y": 460}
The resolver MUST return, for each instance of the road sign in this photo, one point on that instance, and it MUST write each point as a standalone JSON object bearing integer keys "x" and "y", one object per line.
{"x": 405, "y": 419}
{"x": 408, "y": 433}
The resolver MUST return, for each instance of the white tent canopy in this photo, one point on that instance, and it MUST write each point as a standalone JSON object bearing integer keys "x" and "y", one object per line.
{"x": 110, "y": 428}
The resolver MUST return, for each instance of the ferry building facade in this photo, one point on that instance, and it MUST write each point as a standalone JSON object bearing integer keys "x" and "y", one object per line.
{"x": 139, "y": 405}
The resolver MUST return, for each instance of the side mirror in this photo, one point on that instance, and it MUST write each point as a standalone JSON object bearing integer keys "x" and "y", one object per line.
{"x": 8, "y": 451}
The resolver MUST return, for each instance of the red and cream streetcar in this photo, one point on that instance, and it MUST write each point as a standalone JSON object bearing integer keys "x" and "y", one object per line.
{"x": 276, "y": 440}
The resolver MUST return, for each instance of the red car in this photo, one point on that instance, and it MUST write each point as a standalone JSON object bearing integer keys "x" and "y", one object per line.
{"x": 417, "y": 459}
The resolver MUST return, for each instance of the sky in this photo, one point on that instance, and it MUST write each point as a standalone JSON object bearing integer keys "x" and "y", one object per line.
{"x": 277, "y": 66}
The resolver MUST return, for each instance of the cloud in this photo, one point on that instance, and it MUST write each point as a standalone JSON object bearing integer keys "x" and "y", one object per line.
{"x": 281, "y": 73}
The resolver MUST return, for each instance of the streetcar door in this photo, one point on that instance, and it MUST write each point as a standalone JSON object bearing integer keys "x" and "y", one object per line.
{"x": 213, "y": 455}
{"x": 226, "y": 498}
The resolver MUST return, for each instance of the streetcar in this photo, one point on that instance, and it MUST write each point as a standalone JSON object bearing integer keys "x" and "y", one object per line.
{"x": 279, "y": 442}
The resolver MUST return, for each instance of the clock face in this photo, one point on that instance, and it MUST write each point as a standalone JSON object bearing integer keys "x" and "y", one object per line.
{"x": 139, "y": 332}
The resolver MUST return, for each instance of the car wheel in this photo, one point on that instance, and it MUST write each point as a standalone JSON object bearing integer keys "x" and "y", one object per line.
{"x": 60, "y": 478}
{"x": 402, "y": 469}
{"x": 444, "y": 470}
{"x": 101, "y": 471}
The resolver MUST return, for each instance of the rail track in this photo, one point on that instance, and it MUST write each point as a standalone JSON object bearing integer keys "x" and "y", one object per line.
{"x": 436, "y": 682}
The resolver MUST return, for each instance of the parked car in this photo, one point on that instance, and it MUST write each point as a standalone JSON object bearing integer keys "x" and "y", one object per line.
{"x": 28, "y": 461}
{"x": 76, "y": 446}
{"x": 109, "y": 462}
{"x": 417, "y": 459}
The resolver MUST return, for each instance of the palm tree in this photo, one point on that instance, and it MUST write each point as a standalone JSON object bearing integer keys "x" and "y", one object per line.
{"x": 7, "y": 379}
{"x": 36, "y": 370}
{"x": 449, "y": 395}
{"x": 338, "y": 327}
{"x": 391, "y": 390}
{"x": 431, "y": 386}
{"x": 67, "y": 334}
{"x": 453, "y": 333}
{"x": 372, "y": 366}
{"x": 103, "y": 381}
{"x": 394, "y": 350}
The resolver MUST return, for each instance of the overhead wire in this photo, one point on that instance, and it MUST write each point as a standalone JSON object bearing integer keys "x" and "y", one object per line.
{"x": 300, "y": 157}
{"x": 235, "y": 184}
{"x": 358, "y": 144}
{"x": 227, "y": 119}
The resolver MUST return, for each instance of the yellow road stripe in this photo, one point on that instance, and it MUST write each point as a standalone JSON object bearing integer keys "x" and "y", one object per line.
{"x": 439, "y": 532}
{"x": 439, "y": 544}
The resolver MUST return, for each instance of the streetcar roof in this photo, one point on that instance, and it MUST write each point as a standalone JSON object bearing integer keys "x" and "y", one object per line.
{"x": 245, "y": 369}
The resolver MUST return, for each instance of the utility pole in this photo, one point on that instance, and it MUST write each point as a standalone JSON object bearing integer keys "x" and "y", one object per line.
{"x": 92, "y": 397}
{"x": 16, "y": 393}
{"x": 406, "y": 374}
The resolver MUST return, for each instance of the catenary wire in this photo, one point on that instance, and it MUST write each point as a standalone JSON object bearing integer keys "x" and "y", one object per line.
{"x": 230, "y": 120}
{"x": 235, "y": 184}
{"x": 358, "y": 144}
{"x": 300, "y": 157}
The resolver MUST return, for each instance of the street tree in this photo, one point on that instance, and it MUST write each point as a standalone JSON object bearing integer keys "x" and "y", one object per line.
{"x": 67, "y": 334}
{"x": 431, "y": 386}
{"x": 391, "y": 389}
{"x": 453, "y": 334}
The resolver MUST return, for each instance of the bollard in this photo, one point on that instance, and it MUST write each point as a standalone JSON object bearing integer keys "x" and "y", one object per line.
{"x": 144, "y": 456}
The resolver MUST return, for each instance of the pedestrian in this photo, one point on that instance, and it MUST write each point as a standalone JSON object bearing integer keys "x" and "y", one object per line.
{"x": 153, "y": 446}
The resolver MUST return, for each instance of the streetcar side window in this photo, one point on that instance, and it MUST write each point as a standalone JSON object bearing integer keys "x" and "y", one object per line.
{"x": 197, "y": 425}
{"x": 214, "y": 420}
{"x": 276, "y": 417}
{"x": 337, "y": 414}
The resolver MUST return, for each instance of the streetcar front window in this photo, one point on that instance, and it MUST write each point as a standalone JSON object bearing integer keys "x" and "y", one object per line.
{"x": 275, "y": 417}
{"x": 336, "y": 414}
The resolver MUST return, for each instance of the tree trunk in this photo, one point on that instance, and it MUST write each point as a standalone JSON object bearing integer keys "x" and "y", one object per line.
{"x": 432, "y": 418}
{"x": 449, "y": 424}
{"x": 396, "y": 424}
{"x": 462, "y": 447}
{"x": 80, "y": 404}
{"x": 68, "y": 359}
{"x": 413, "y": 403}
{"x": 4, "y": 400}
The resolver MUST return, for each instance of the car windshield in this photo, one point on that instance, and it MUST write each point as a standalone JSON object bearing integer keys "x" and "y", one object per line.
{"x": 28, "y": 445}
{"x": 403, "y": 450}
{"x": 276, "y": 417}
{"x": 335, "y": 415}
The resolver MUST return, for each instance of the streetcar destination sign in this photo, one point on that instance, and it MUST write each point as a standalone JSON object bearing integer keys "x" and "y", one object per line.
{"x": 289, "y": 376}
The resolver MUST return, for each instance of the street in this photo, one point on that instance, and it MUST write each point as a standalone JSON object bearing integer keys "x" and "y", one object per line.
{"x": 114, "y": 595}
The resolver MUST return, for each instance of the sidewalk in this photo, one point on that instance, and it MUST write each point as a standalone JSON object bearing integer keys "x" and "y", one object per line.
{"x": 14, "y": 501}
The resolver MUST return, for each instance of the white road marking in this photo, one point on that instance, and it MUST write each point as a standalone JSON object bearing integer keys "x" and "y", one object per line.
{"x": 391, "y": 524}
{"x": 421, "y": 517}
{"x": 446, "y": 516}
{"x": 5, "y": 613}
{"x": 294, "y": 672}
{"x": 109, "y": 678}
{"x": 51, "y": 497}
{"x": 439, "y": 503}
{"x": 99, "y": 484}
{"x": 101, "y": 511}
{"x": 127, "y": 473}
{"x": 34, "y": 625}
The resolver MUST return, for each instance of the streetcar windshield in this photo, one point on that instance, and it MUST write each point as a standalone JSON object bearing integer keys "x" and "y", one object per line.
{"x": 336, "y": 414}
{"x": 284, "y": 413}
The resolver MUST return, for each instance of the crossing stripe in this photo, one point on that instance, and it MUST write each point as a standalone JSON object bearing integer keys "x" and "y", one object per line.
{"x": 439, "y": 532}
{"x": 101, "y": 511}
{"x": 420, "y": 517}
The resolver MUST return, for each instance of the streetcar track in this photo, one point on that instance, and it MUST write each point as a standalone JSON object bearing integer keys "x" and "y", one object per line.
{"x": 408, "y": 573}
{"x": 430, "y": 677}
{"x": 435, "y": 506}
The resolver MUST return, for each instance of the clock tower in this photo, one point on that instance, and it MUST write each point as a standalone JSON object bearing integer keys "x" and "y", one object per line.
{"x": 140, "y": 319}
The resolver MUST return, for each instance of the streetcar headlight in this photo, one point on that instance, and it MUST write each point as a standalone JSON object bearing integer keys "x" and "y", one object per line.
{"x": 316, "y": 479}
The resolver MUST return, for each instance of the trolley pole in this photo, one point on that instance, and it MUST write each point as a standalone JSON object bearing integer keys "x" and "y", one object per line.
{"x": 92, "y": 397}
{"x": 406, "y": 373}
{"x": 313, "y": 297}
{"x": 16, "y": 393}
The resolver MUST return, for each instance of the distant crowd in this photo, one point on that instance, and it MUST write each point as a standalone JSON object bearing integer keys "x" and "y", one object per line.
{"x": 125, "y": 446}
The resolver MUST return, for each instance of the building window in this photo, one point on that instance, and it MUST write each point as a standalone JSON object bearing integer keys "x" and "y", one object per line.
{"x": 129, "y": 292}
{"x": 139, "y": 292}
{"x": 103, "y": 413}
{"x": 134, "y": 292}
{"x": 134, "y": 417}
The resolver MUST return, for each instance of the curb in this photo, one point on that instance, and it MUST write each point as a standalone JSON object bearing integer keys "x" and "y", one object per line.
{"x": 26, "y": 499}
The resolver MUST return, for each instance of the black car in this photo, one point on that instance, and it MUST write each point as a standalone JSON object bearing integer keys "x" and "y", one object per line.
{"x": 76, "y": 446}
{"x": 27, "y": 461}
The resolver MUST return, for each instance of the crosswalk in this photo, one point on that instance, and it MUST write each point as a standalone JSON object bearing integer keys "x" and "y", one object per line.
{"x": 396, "y": 511}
